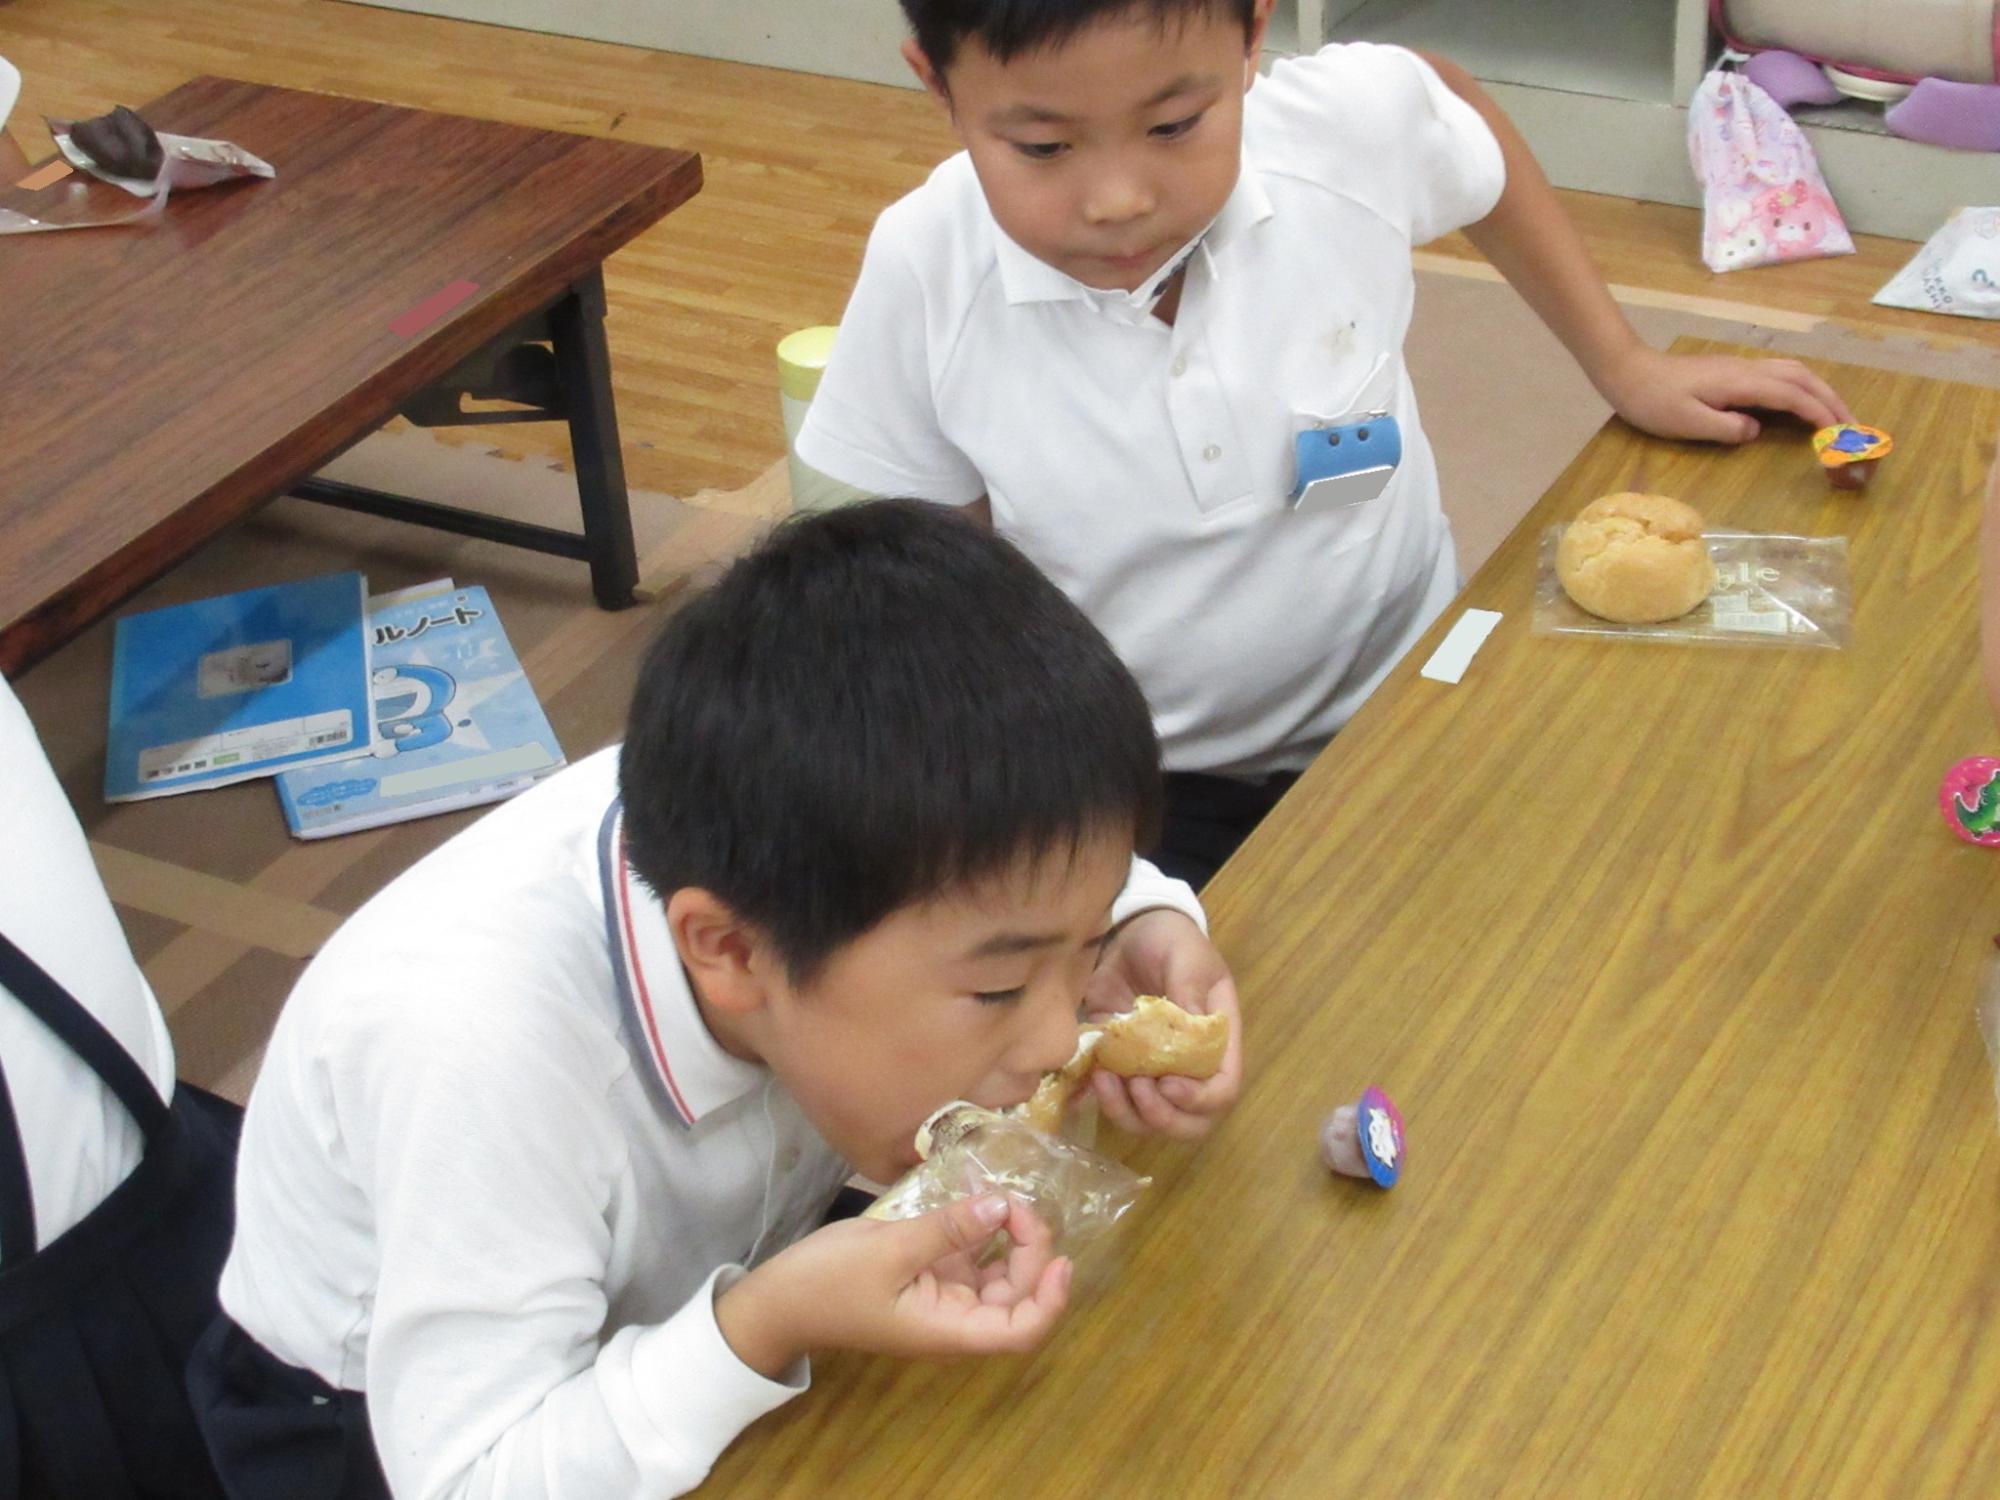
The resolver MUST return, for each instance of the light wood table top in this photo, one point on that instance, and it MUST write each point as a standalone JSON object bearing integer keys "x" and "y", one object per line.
{"x": 1671, "y": 964}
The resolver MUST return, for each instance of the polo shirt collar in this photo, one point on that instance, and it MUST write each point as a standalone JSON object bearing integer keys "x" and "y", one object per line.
{"x": 1026, "y": 278}
{"x": 1248, "y": 205}
{"x": 685, "y": 1067}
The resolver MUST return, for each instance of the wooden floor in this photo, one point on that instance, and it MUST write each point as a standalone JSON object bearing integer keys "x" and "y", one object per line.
{"x": 797, "y": 168}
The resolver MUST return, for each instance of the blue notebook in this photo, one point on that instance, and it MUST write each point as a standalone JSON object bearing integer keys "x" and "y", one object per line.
{"x": 225, "y": 690}
{"x": 456, "y": 722}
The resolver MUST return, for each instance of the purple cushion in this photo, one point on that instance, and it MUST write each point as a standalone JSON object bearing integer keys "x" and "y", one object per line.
{"x": 1944, "y": 113}
{"x": 1791, "y": 79}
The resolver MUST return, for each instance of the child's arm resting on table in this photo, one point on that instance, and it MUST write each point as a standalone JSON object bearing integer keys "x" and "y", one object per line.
{"x": 1533, "y": 243}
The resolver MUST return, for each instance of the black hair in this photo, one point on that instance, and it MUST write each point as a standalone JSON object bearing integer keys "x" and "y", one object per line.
{"x": 1009, "y": 28}
{"x": 878, "y": 704}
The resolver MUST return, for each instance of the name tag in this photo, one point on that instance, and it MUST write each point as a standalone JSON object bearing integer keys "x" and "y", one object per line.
{"x": 1350, "y": 464}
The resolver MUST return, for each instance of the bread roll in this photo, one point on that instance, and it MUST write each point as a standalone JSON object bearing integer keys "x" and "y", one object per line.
{"x": 1044, "y": 1109}
{"x": 1635, "y": 559}
{"x": 1156, "y": 1038}
{"x": 1153, "y": 1039}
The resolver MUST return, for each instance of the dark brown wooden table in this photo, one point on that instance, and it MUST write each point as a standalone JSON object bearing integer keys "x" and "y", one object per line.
{"x": 156, "y": 385}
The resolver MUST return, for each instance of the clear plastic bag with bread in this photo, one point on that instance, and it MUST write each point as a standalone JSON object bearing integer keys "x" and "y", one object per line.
{"x": 1077, "y": 1193}
{"x": 1648, "y": 568}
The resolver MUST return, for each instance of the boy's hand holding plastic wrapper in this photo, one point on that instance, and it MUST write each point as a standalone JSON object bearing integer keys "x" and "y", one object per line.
{"x": 1078, "y": 1194}
{"x": 123, "y": 150}
{"x": 968, "y": 1151}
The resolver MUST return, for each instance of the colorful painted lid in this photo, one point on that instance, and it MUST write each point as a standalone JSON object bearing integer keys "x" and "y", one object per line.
{"x": 1851, "y": 443}
{"x": 1380, "y": 1125}
{"x": 1970, "y": 800}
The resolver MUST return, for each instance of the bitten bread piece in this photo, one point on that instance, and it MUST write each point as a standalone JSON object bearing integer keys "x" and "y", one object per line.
{"x": 1044, "y": 1109}
{"x": 1153, "y": 1039}
{"x": 1635, "y": 559}
{"x": 1156, "y": 1038}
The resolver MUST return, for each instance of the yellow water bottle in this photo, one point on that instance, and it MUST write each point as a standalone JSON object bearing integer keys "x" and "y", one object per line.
{"x": 802, "y": 358}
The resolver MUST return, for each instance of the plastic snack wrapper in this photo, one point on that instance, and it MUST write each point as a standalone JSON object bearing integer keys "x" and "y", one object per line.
{"x": 123, "y": 150}
{"x": 71, "y": 205}
{"x": 1788, "y": 591}
{"x": 1957, "y": 272}
{"x": 129, "y": 147}
{"x": 967, "y": 1151}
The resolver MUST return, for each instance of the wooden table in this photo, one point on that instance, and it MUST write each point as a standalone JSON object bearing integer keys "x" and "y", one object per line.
{"x": 1671, "y": 964}
{"x": 155, "y": 386}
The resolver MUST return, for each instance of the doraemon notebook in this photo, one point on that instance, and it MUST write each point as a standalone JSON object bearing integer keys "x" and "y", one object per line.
{"x": 456, "y": 722}
{"x": 224, "y": 690}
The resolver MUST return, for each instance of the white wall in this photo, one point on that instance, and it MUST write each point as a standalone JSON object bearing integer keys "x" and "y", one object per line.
{"x": 1633, "y": 147}
{"x": 845, "y": 38}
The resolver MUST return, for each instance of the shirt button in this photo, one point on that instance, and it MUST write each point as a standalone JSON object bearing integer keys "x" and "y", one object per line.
{"x": 1180, "y": 364}
{"x": 1211, "y": 453}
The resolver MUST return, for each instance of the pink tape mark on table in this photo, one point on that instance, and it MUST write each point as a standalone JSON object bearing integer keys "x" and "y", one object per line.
{"x": 417, "y": 319}
{"x": 42, "y": 176}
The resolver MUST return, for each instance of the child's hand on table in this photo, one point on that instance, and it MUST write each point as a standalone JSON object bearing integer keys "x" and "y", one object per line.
{"x": 1163, "y": 952}
{"x": 1695, "y": 395}
{"x": 910, "y": 1288}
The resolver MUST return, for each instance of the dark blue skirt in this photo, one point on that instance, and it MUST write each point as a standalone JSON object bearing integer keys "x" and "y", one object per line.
{"x": 96, "y": 1329}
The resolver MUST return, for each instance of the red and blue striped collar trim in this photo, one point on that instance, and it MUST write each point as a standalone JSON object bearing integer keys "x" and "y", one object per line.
{"x": 685, "y": 1068}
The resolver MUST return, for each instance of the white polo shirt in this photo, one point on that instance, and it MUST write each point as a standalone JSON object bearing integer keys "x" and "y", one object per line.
{"x": 496, "y": 1166}
{"x": 78, "y": 1140}
{"x": 1146, "y": 469}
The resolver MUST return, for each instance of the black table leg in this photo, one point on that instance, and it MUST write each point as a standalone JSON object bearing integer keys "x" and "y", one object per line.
{"x": 555, "y": 366}
{"x": 583, "y": 364}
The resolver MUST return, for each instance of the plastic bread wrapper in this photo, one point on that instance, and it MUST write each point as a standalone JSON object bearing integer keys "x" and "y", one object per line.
{"x": 187, "y": 162}
{"x": 968, "y": 1151}
{"x": 1784, "y": 591}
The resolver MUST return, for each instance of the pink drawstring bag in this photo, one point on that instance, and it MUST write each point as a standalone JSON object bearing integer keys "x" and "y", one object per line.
{"x": 1763, "y": 200}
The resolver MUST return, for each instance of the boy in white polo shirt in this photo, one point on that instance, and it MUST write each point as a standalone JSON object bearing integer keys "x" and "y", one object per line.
{"x": 530, "y": 1113}
{"x": 1107, "y": 323}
